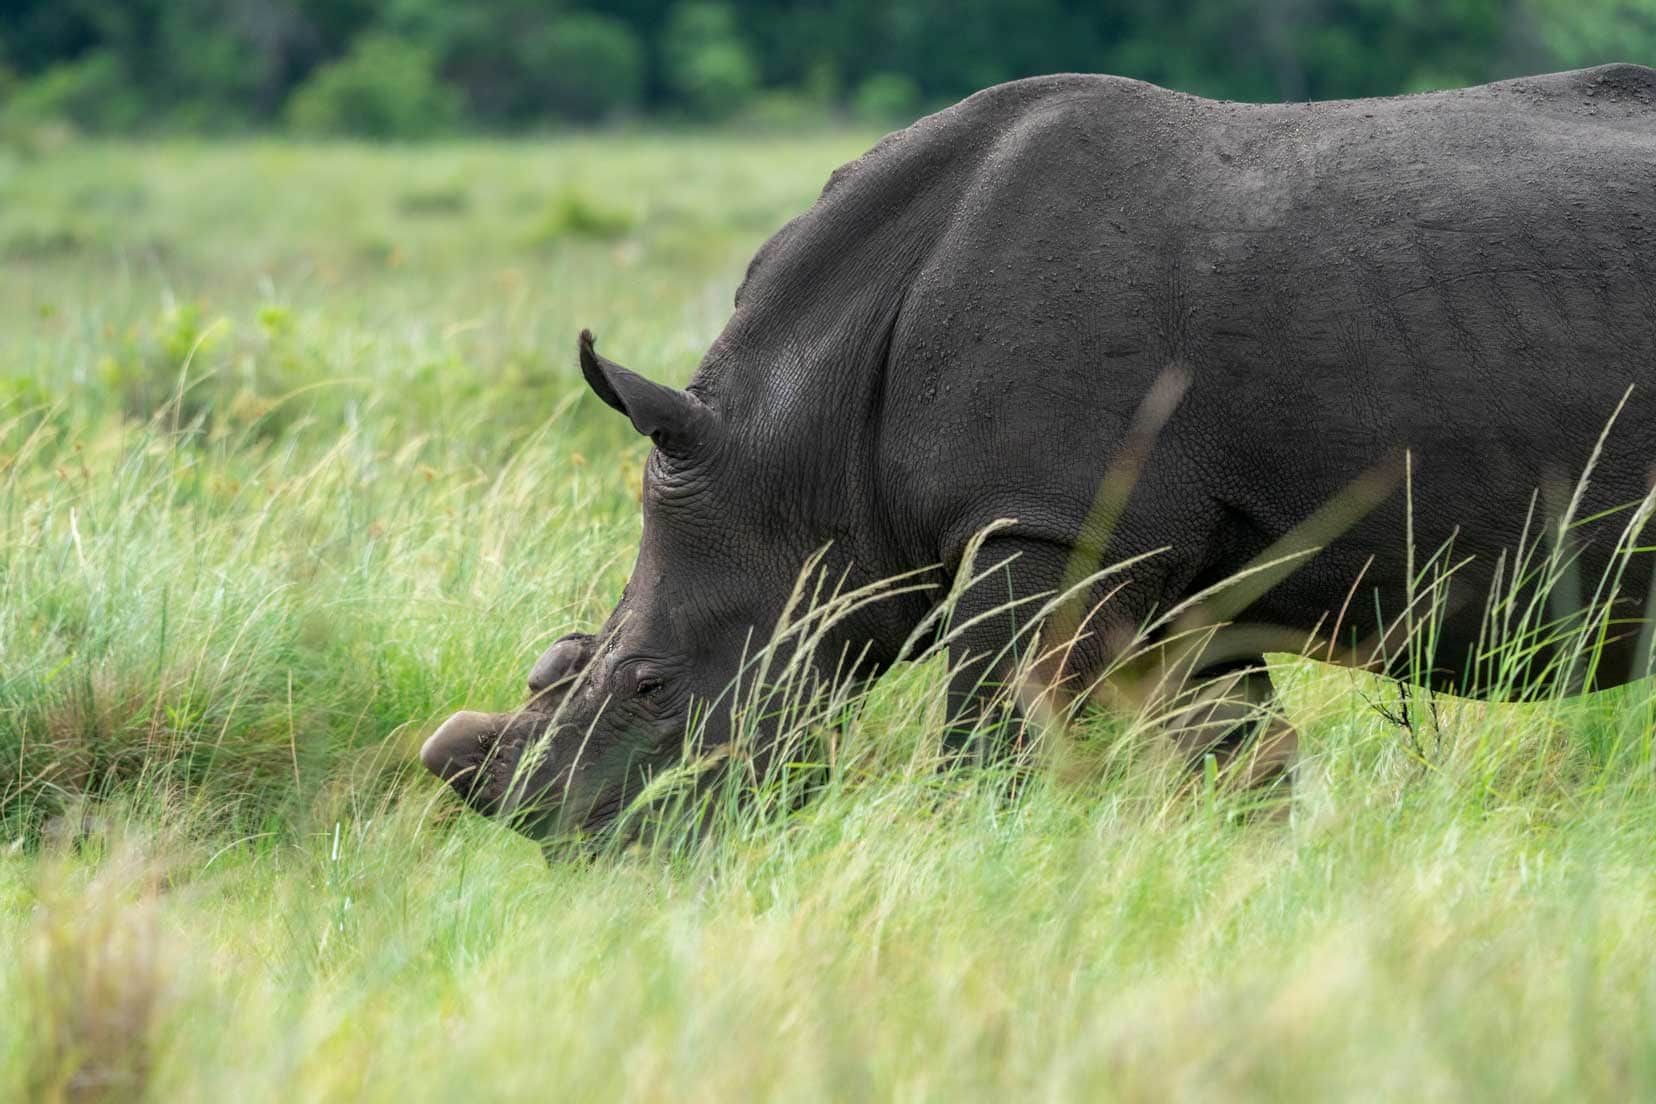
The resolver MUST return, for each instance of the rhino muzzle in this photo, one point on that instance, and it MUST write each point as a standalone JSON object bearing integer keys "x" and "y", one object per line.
{"x": 480, "y": 756}
{"x": 458, "y": 746}
{"x": 467, "y": 751}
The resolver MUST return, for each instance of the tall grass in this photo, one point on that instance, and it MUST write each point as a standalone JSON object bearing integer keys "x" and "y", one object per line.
{"x": 294, "y": 462}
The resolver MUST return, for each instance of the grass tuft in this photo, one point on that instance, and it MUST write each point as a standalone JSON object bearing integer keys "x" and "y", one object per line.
{"x": 95, "y": 984}
{"x": 574, "y": 215}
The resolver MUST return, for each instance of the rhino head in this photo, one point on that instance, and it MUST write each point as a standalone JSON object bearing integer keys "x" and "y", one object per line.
{"x": 721, "y": 552}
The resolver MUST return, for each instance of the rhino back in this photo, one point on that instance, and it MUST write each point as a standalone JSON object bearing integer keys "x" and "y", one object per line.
{"x": 1468, "y": 275}
{"x": 966, "y": 323}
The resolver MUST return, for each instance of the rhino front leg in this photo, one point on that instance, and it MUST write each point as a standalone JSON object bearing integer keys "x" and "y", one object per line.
{"x": 999, "y": 661}
{"x": 1233, "y": 715}
{"x": 999, "y": 657}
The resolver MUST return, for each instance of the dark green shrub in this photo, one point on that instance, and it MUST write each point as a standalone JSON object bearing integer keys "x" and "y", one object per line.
{"x": 784, "y": 112}
{"x": 886, "y": 98}
{"x": 522, "y": 61}
{"x": 573, "y": 215}
{"x": 705, "y": 60}
{"x": 1573, "y": 36}
{"x": 583, "y": 67}
{"x": 384, "y": 88}
{"x": 91, "y": 93}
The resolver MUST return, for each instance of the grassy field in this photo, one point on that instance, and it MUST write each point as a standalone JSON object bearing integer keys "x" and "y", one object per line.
{"x": 295, "y": 459}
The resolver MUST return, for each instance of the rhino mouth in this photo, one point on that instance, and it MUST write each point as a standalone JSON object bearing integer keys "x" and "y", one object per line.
{"x": 479, "y": 754}
{"x": 508, "y": 767}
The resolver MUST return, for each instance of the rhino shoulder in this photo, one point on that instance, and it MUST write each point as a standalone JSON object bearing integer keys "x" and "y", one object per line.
{"x": 942, "y": 151}
{"x": 1618, "y": 90}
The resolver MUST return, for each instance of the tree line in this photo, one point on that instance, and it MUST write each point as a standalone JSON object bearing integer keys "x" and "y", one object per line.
{"x": 411, "y": 68}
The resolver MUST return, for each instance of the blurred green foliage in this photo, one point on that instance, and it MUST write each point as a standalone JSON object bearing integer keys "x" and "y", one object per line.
{"x": 705, "y": 62}
{"x": 408, "y": 68}
{"x": 384, "y": 88}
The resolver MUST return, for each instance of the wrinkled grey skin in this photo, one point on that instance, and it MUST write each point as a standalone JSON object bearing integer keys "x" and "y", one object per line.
{"x": 965, "y": 325}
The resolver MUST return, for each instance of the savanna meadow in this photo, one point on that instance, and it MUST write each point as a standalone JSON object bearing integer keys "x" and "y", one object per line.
{"x": 296, "y": 461}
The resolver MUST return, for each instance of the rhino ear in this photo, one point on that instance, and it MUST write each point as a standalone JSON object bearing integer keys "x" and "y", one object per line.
{"x": 675, "y": 420}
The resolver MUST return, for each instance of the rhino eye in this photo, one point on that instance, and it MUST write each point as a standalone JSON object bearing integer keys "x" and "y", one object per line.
{"x": 647, "y": 685}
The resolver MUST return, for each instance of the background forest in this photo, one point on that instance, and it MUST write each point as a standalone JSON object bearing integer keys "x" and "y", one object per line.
{"x": 416, "y": 68}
